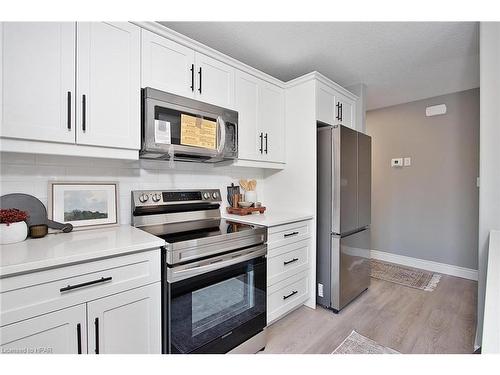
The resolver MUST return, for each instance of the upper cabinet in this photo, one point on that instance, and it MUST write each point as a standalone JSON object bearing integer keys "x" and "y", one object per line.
{"x": 72, "y": 83}
{"x": 108, "y": 84}
{"x": 261, "y": 114}
{"x": 37, "y": 79}
{"x": 334, "y": 107}
{"x": 174, "y": 68}
{"x": 166, "y": 65}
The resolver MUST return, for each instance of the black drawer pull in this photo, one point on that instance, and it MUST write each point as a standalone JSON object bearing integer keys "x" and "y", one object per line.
{"x": 69, "y": 110}
{"x": 71, "y": 287}
{"x": 290, "y": 234}
{"x": 291, "y": 294}
{"x": 290, "y": 261}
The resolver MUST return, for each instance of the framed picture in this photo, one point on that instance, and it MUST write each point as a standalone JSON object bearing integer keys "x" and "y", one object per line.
{"x": 85, "y": 205}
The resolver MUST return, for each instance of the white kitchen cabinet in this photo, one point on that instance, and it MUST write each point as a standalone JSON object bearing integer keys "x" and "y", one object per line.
{"x": 55, "y": 308}
{"x": 37, "y": 80}
{"x": 261, "y": 125}
{"x": 166, "y": 65}
{"x": 60, "y": 332}
{"x": 246, "y": 102}
{"x": 272, "y": 122}
{"x": 345, "y": 111}
{"x": 127, "y": 322}
{"x": 214, "y": 81}
{"x": 108, "y": 83}
{"x": 334, "y": 107}
{"x": 174, "y": 68}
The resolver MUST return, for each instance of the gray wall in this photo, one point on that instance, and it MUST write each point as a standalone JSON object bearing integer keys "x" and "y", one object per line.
{"x": 430, "y": 209}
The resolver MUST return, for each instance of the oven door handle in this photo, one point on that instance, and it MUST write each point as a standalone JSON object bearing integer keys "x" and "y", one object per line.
{"x": 221, "y": 125}
{"x": 174, "y": 275}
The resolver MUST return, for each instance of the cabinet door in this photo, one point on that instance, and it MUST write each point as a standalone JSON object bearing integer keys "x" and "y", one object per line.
{"x": 246, "y": 102}
{"x": 108, "y": 82}
{"x": 347, "y": 108}
{"x": 272, "y": 122}
{"x": 60, "y": 332}
{"x": 166, "y": 65}
{"x": 214, "y": 81}
{"x": 127, "y": 322}
{"x": 37, "y": 80}
{"x": 325, "y": 105}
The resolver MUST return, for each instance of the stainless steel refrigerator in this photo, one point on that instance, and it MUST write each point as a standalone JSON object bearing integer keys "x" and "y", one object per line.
{"x": 343, "y": 215}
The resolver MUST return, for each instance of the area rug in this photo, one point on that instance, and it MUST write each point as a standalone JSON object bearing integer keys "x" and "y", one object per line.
{"x": 359, "y": 344}
{"x": 411, "y": 277}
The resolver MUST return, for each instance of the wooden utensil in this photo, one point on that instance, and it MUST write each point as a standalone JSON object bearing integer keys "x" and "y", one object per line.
{"x": 252, "y": 184}
{"x": 244, "y": 184}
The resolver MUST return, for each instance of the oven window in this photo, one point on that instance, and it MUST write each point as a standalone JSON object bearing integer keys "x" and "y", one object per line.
{"x": 207, "y": 307}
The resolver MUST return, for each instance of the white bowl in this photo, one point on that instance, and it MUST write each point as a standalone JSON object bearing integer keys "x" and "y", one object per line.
{"x": 245, "y": 204}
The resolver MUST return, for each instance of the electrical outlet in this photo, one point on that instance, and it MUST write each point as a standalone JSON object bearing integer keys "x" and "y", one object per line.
{"x": 407, "y": 162}
{"x": 320, "y": 290}
{"x": 397, "y": 162}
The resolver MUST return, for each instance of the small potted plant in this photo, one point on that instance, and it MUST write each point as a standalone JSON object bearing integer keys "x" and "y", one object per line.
{"x": 13, "y": 227}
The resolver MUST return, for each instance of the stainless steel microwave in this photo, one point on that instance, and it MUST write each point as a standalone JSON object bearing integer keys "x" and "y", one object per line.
{"x": 186, "y": 129}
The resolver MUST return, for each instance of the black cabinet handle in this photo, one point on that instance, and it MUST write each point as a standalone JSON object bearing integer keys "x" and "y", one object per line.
{"x": 341, "y": 111}
{"x": 71, "y": 287}
{"x": 261, "y": 142}
{"x": 290, "y": 261}
{"x": 79, "y": 337}
{"x": 290, "y": 234}
{"x": 96, "y": 324}
{"x": 337, "y": 107}
{"x": 84, "y": 112}
{"x": 291, "y": 294}
{"x": 266, "y": 143}
{"x": 192, "y": 77}
{"x": 199, "y": 73}
{"x": 69, "y": 110}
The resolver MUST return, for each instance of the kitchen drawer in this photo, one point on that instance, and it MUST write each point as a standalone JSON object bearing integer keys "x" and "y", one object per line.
{"x": 41, "y": 292}
{"x": 288, "y": 260}
{"x": 289, "y": 233}
{"x": 287, "y": 295}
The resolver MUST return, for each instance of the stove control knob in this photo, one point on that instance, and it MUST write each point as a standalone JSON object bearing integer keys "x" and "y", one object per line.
{"x": 215, "y": 195}
{"x": 143, "y": 198}
{"x": 206, "y": 195}
{"x": 156, "y": 197}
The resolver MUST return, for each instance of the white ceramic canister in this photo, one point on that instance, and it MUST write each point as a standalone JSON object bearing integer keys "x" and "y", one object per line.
{"x": 251, "y": 196}
{"x": 14, "y": 232}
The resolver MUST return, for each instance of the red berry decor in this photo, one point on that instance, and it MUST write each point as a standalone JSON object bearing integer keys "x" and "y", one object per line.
{"x": 12, "y": 215}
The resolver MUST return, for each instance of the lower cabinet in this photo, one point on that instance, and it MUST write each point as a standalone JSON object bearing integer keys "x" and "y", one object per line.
{"x": 127, "y": 322}
{"x": 123, "y": 323}
{"x": 59, "y": 332}
{"x": 288, "y": 268}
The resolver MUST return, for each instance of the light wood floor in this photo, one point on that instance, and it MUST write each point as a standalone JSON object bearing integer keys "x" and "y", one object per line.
{"x": 405, "y": 319}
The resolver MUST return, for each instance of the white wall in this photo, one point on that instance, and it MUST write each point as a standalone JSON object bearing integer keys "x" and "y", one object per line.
{"x": 30, "y": 174}
{"x": 489, "y": 165}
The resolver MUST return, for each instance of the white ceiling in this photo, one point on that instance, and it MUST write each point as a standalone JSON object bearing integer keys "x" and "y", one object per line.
{"x": 399, "y": 61}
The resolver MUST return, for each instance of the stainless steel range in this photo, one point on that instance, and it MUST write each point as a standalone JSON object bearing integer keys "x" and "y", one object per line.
{"x": 213, "y": 272}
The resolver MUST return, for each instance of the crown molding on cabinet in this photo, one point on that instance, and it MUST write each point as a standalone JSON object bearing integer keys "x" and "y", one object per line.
{"x": 321, "y": 78}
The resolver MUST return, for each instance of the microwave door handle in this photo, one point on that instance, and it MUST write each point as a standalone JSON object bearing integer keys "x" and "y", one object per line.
{"x": 221, "y": 125}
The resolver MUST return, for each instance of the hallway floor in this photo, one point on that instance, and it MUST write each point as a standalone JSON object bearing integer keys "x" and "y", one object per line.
{"x": 402, "y": 318}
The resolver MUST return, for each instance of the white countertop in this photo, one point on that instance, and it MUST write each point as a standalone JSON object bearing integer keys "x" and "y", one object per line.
{"x": 270, "y": 218}
{"x": 56, "y": 250}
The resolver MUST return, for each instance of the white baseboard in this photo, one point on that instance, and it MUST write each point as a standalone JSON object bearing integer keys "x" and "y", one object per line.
{"x": 429, "y": 265}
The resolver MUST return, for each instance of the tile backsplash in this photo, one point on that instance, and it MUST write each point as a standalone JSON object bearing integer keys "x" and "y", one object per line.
{"x": 30, "y": 174}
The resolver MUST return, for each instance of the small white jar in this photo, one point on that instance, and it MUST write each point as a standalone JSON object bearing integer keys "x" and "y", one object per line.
{"x": 12, "y": 233}
{"x": 251, "y": 196}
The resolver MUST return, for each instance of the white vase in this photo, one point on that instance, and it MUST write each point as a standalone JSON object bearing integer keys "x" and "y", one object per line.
{"x": 12, "y": 233}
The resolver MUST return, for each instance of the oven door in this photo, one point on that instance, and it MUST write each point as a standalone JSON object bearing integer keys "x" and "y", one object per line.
{"x": 216, "y": 304}
{"x": 189, "y": 129}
